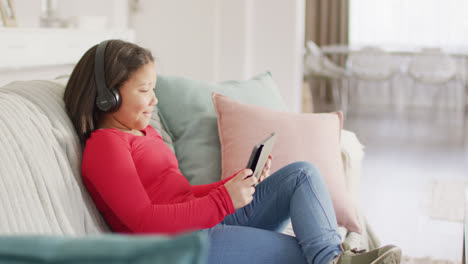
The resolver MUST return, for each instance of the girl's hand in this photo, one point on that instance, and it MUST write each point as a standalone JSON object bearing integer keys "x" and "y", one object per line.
{"x": 266, "y": 169}
{"x": 241, "y": 188}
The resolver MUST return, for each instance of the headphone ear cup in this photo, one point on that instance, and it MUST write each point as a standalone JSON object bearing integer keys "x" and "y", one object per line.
{"x": 117, "y": 99}
{"x": 109, "y": 100}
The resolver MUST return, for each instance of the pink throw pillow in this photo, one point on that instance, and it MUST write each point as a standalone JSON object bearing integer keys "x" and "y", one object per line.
{"x": 300, "y": 137}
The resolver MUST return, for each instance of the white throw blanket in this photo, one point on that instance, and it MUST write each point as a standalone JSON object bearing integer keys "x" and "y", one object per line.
{"x": 40, "y": 186}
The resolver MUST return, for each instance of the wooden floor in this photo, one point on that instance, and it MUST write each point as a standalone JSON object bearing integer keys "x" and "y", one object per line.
{"x": 405, "y": 150}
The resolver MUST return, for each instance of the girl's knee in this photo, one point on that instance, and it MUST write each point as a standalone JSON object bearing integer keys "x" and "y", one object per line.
{"x": 306, "y": 166}
{"x": 299, "y": 171}
{"x": 308, "y": 169}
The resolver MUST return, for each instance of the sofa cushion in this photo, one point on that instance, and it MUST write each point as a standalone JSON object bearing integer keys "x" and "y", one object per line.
{"x": 300, "y": 137}
{"x": 111, "y": 248}
{"x": 187, "y": 111}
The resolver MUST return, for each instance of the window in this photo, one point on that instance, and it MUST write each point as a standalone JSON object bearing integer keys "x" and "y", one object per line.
{"x": 439, "y": 23}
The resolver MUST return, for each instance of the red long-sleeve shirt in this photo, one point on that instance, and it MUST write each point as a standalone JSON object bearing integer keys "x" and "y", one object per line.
{"x": 137, "y": 186}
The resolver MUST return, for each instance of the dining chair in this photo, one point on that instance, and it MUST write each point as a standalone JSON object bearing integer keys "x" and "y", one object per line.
{"x": 371, "y": 65}
{"x": 436, "y": 69}
{"x": 438, "y": 78}
{"x": 319, "y": 67}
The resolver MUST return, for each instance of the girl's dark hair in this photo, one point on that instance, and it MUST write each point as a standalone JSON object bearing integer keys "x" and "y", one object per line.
{"x": 122, "y": 59}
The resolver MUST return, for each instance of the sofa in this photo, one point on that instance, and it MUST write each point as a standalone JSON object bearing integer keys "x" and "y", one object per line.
{"x": 43, "y": 200}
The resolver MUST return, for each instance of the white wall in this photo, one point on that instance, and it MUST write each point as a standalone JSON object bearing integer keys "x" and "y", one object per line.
{"x": 279, "y": 28}
{"x": 216, "y": 40}
{"x": 181, "y": 35}
{"x": 234, "y": 40}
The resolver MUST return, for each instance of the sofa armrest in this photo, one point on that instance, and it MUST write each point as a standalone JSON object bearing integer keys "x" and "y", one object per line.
{"x": 352, "y": 153}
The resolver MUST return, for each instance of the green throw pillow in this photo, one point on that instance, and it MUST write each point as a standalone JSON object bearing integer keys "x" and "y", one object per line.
{"x": 108, "y": 248}
{"x": 187, "y": 112}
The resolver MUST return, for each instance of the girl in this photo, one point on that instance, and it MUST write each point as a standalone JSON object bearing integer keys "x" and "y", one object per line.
{"x": 134, "y": 180}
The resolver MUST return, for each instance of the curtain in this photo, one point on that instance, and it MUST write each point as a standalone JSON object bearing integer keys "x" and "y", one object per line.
{"x": 327, "y": 21}
{"x": 326, "y": 24}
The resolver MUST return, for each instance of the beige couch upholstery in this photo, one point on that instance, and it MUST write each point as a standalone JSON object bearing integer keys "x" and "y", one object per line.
{"x": 40, "y": 185}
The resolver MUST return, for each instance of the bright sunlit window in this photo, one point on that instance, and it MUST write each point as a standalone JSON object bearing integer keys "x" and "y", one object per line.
{"x": 409, "y": 22}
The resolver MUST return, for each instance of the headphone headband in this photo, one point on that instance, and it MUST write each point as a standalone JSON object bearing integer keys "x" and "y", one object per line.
{"x": 99, "y": 70}
{"x": 106, "y": 99}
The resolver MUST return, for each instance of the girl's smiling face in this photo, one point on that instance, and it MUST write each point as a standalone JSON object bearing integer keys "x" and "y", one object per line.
{"x": 138, "y": 101}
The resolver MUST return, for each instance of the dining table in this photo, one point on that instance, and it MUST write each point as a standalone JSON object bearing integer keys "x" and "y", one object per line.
{"x": 458, "y": 52}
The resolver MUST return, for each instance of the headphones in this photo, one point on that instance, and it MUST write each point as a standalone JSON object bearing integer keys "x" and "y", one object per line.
{"x": 107, "y": 99}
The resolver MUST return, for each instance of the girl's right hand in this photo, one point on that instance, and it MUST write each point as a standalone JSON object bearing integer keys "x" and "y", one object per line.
{"x": 241, "y": 189}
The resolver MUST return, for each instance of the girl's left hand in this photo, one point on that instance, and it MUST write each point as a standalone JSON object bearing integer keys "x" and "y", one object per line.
{"x": 266, "y": 169}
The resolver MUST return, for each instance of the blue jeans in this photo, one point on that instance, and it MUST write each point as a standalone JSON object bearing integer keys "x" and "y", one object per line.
{"x": 251, "y": 234}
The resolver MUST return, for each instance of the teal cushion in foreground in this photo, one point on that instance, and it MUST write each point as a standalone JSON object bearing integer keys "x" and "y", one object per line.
{"x": 187, "y": 111}
{"x": 109, "y": 248}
